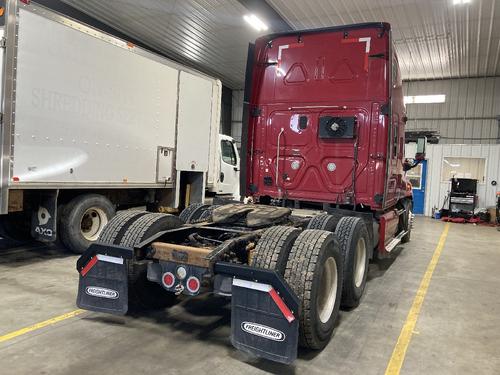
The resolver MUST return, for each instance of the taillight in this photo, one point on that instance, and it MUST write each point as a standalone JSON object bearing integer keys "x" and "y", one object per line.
{"x": 168, "y": 279}
{"x": 193, "y": 284}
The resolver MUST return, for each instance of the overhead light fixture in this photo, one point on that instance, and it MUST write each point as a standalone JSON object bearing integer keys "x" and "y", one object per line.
{"x": 255, "y": 22}
{"x": 460, "y": 2}
{"x": 425, "y": 99}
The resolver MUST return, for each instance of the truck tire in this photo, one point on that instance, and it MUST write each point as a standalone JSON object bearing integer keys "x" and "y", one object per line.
{"x": 83, "y": 219}
{"x": 354, "y": 245}
{"x": 406, "y": 220}
{"x": 192, "y": 212}
{"x": 206, "y": 214}
{"x": 324, "y": 222}
{"x": 314, "y": 271}
{"x": 117, "y": 226}
{"x": 274, "y": 247}
{"x": 142, "y": 292}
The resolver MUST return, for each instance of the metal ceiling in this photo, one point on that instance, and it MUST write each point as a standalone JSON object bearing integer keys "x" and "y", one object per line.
{"x": 434, "y": 39}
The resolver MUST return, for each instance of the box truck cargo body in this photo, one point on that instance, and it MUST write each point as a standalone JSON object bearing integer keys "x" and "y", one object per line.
{"x": 88, "y": 116}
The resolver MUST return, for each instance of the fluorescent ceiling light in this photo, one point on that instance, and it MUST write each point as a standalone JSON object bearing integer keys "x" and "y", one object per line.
{"x": 460, "y": 2}
{"x": 424, "y": 99}
{"x": 255, "y": 22}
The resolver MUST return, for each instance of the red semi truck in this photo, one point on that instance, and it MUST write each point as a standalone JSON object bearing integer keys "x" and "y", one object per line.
{"x": 324, "y": 124}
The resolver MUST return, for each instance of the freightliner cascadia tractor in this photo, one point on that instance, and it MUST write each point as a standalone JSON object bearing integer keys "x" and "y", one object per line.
{"x": 323, "y": 165}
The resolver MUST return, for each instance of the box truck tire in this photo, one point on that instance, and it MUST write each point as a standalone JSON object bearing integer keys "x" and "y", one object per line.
{"x": 354, "y": 244}
{"x": 315, "y": 273}
{"x": 144, "y": 294}
{"x": 83, "y": 219}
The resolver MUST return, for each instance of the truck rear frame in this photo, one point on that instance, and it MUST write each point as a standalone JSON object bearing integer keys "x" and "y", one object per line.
{"x": 287, "y": 271}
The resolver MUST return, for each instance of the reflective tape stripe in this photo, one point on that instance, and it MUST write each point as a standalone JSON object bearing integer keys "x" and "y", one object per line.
{"x": 110, "y": 259}
{"x": 281, "y": 305}
{"x": 266, "y": 288}
{"x": 92, "y": 262}
{"x": 252, "y": 285}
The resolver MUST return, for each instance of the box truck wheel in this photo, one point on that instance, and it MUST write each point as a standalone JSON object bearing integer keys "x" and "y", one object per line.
{"x": 192, "y": 212}
{"x": 324, "y": 222}
{"x": 83, "y": 219}
{"x": 274, "y": 247}
{"x": 314, "y": 271}
{"x": 354, "y": 244}
{"x": 142, "y": 292}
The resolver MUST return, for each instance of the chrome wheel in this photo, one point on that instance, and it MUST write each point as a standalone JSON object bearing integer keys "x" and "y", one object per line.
{"x": 359, "y": 262}
{"x": 93, "y": 221}
{"x": 327, "y": 293}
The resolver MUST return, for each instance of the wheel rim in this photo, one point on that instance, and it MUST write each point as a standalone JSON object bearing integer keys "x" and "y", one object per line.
{"x": 359, "y": 262}
{"x": 93, "y": 221}
{"x": 327, "y": 290}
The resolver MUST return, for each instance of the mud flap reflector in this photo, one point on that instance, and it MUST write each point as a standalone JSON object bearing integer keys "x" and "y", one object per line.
{"x": 261, "y": 322}
{"x": 103, "y": 285}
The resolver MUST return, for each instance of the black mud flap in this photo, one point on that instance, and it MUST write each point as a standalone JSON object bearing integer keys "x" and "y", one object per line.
{"x": 44, "y": 219}
{"x": 103, "y": 284}
{"x": 264, "y": 313}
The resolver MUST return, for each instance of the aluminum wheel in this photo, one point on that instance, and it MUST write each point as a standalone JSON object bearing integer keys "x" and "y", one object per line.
{"x": 93, "y": 221}
{"x": 360, "y": 262}
{"x": 327, "y": 293}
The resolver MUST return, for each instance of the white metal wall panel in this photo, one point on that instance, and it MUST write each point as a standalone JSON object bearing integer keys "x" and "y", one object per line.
{"x": 193, "y": 123}
{"x": 87, "y": 118}
{"x": 469, "y": 115}
{"x": 436, "y": 190}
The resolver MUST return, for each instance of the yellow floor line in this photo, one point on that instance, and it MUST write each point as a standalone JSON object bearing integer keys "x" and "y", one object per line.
{"x": 398, "y": 355}
{"x": 45, "y": 323}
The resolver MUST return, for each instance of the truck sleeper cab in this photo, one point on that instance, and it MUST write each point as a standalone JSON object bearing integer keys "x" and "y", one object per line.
{"x": 324, "y": 130}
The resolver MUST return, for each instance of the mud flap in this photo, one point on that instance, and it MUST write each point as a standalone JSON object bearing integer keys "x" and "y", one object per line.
{"x": 103, "y": 284}
{"x": 44, "y": 220}
{"x": 264, "y": 313}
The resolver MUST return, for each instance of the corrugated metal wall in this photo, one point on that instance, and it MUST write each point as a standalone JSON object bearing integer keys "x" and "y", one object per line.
{"x": 469, "y": 114}
{"x": 237, "y": 117}
{"x": 436, "y": 190}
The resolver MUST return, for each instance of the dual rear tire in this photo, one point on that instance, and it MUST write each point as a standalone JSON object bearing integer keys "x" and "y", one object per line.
{"x": 129, "y": 228}
{"x": 311, "y": 263}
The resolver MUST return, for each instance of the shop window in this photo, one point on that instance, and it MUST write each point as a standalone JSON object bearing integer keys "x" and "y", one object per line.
{"x": 460, "y": 167}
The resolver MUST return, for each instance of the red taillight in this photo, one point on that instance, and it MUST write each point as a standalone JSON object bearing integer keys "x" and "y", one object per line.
{"x": 168, "y": 279}
{"x": 193, "y": 284}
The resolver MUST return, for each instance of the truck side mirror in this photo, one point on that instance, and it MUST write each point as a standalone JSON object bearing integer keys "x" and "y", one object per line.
{"x": 421, "y": 143}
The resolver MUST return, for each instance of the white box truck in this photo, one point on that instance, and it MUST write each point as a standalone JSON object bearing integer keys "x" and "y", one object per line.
{"x": 91, "y": 122}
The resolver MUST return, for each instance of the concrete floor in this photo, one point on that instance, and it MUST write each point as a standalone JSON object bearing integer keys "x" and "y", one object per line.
{"x": 458, "y": 330}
